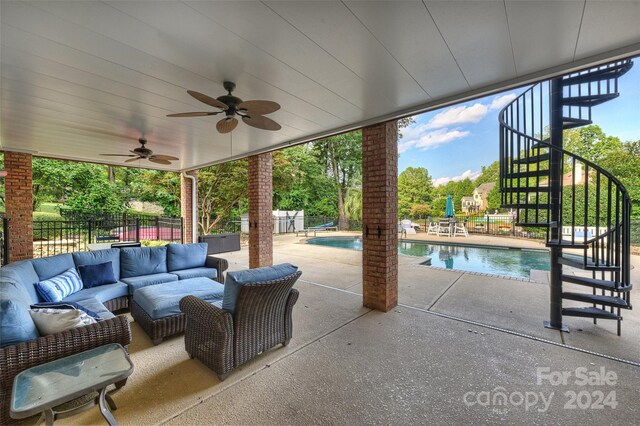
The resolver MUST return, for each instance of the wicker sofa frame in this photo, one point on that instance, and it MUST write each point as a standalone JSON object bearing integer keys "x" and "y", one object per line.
{"x": 19, "y": 357}
{"x": 262, "y": 320}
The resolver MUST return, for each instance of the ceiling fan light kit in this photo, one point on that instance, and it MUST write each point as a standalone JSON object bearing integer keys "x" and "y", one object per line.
{"x": 251, "y": 112}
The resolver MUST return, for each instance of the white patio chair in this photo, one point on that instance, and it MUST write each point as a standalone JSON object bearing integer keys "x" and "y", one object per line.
{"x": 433, "y": 227}
{"x": 459, "y": 228}
{"x": 444, "y": 227}
{"x": 408, "y": 227}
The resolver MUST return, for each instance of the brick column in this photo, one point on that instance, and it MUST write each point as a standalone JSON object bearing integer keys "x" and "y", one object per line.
{"x": 19, "y": 205}
{"x": 186, "y": 186}
{"x": 260, "y": 210}
{"x": 380, "y": 216}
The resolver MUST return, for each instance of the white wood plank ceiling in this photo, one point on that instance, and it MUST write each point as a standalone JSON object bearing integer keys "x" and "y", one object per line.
{"x": 84, "y": 78}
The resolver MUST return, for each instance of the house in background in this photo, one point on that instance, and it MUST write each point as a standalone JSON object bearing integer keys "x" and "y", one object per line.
{"x": 478, "y": 201}
{"x": 468, "y": 205}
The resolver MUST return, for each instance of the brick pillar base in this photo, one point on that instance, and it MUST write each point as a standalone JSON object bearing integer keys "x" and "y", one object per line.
{"x": 260, "y": 211}
{"x": 380, "y": 216}
{"x": 186, "y": 205}
{"x": 19, "y": 205}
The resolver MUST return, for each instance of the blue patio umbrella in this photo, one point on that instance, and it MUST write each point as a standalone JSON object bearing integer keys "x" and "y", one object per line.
{"x": 448, "y": 210}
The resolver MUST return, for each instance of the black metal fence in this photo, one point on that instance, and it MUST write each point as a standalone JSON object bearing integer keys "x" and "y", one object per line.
{"x": 4, "y": 240}
{"x": 500, "y": 225}
{"x": 69, "y": 235}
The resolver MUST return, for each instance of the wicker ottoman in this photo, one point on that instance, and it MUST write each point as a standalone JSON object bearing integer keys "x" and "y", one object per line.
{"x": 156, "y": 308}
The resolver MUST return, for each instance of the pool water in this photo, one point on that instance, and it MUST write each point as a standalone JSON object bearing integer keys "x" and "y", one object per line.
{"x": 510, "y": 262}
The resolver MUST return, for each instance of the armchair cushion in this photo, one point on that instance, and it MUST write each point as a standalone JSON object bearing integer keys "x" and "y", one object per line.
{"x": 186, "y": 256}
{"x": 138, "y": 261}
{"x": 235, "y": 280}
{"x": 57, "y": 288}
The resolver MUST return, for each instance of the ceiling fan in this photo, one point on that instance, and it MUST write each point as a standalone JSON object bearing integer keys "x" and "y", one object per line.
{"x": 251, "y": 112}
{"x": 143, "y": 152}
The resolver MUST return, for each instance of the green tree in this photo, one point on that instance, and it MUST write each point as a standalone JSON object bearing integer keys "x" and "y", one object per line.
{"x": 457, "y": 190}
{"x": 98, "y": 196}
{"x": 341, "y": 157}
{"x": 415, "y": 186}
{"x": 490, "y": 173}
{"x": 590, "y": 142}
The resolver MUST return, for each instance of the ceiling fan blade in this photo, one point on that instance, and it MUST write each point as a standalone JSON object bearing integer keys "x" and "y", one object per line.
{"x": 131, "y": 160}
{"x": 193, "y": 114}
{"x": 208, "y": 100}
{"x": 227, "y": 124}
{"x": 159, "y": 161}
{"x": 259, "y": 107}
{"x": 119, "y": 155}
{"x": 163, "y": 157}
{"x": 261, "y": 122}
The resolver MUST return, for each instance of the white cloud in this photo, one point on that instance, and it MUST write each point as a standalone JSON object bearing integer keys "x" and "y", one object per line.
{"x": 467, "y": 174}
{"x": 430, "y": 139}
{"x": 501, "y": 101}
{"x": 458, "y": 115}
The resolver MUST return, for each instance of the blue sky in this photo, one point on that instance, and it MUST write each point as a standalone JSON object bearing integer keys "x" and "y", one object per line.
{"x": 455, "y": 142}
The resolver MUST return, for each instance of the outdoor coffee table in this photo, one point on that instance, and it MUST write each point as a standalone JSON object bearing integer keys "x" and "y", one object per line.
{"x": 40, "y": 388}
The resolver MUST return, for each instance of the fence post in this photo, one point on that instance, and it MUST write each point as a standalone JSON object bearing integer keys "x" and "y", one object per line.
{"x": 5, "y": 241}
{"x": 158, "y": 229}
{"x": 182, "y": 230}
{"x": 137, "y": 229}
{"x": 89, "y": 226}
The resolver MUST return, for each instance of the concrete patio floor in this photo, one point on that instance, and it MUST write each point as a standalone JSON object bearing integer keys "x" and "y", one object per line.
{"x": 453, "y": 334}
{"x": 455, "y": 340}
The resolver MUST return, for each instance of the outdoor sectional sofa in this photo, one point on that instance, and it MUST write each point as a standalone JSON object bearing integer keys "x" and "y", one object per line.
{"x": 22, "y": 347}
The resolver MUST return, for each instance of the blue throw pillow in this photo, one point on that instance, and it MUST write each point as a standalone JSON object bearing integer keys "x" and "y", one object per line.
{"x": 67, "y": 305}
{"x": 96, "y": 275}
{"x": 57, "y": 288}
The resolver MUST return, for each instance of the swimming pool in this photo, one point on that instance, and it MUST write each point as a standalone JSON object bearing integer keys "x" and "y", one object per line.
{"x": 510, "y": 262}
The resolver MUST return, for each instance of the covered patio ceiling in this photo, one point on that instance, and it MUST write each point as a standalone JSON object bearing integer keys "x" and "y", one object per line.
{"x": 84, "y": 78}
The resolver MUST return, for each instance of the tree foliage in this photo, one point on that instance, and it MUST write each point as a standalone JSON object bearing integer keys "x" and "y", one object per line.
{"x": 415, "y": 186}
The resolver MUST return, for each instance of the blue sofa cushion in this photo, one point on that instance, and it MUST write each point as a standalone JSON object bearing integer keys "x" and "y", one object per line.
{"x": 102, "y": 293}
{"x": 99, "y": 256}
{"x": 235, "y": 280}
{"x": 57, "y": 288}
{"x": 138, "y": 261}
{"x": 138, "y": 282}
{"x": 163, "y": 300}
{"x": 186, "y": 256}
{"x": 16, "y": 324}
{"x": 97, "y": 275}
{"x": 22, "y": 275}
{"x": 66, "y": 305}
{"x": 47, "y": 267}
{"x": 196, "y": 272}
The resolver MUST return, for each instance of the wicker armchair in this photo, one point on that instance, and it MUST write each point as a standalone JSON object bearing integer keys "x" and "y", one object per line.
{"x": 262, "y": 320}
{"x": 19, "y": 357}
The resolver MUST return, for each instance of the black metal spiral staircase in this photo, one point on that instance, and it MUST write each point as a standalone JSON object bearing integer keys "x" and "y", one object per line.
{"x": 585, "y": 210}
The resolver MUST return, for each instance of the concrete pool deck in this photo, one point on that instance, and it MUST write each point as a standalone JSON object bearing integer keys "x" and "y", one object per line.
{"x": 508, "y": 303}
{"x": 455, "y": 339}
